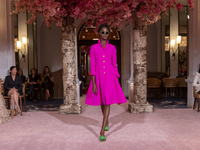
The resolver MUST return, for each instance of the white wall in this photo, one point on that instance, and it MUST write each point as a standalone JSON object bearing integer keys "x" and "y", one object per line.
{"x": 154, "y": 47}
{"x": 49, "y": 46}
{"x": 194, "y": 48}
{"x": 173, "y": 35}
{"x": 22, "y": 32}
{"x": 7, "y": 52}
{"x": 125, "y": 58}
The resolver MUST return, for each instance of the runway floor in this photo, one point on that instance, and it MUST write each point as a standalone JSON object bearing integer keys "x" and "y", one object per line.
{"x": 164, "y": 129}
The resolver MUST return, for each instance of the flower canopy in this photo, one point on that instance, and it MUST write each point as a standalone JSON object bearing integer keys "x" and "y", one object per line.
{"x": 96, "y": 12}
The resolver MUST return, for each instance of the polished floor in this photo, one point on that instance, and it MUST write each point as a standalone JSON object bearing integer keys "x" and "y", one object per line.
{"x": 164, "y": 129}
{"x": 157, "y": 102}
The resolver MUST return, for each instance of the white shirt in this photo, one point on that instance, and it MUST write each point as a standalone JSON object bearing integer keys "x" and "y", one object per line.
{"x": 196, "y": 82}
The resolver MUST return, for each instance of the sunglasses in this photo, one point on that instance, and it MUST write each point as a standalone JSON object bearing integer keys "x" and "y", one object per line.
{"x": 102, "y": 32}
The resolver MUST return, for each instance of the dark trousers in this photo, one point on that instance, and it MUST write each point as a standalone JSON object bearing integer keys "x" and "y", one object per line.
{"x": 31, "y": 90}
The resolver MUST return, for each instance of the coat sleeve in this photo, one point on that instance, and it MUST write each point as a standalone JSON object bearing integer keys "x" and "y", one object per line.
{"x": 195, "y": 84}
{"x": 114, "y": 62}
{"x": 93, "y": 61}
{"x": 6, "y": 84}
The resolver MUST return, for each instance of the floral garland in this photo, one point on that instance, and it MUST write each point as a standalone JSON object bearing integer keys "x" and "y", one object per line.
{"x": 112, "y": 12}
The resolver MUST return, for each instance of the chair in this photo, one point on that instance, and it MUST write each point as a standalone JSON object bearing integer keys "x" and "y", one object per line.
{"x": 20, "y": 98}
{"x": 196, "y": 99}
{"x": 181, "y": 84}
{"x": 169, "y": 83}
{"x": 153, "y": 83}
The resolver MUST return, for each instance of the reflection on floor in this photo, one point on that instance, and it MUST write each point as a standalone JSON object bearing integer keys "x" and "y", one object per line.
{"x": 54, "y": 104}
{"x": 43, "y": 105}
{"x": 168, "y": 103}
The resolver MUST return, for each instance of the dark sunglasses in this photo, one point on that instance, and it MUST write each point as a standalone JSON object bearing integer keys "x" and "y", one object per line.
{"x": 102, "y": 32}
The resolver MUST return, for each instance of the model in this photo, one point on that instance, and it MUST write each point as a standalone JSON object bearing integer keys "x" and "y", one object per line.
{"x": 104, "y": 89}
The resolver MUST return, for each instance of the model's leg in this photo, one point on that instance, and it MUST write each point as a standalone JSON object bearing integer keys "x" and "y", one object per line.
{"x": 16, "y": 97}
{"x": 105, "y": 118}
{"x": 10, "y": 93}
{"x": 13, "y": 105}
{"x": 102, "y": 109}
{"x": 47, "y": 94}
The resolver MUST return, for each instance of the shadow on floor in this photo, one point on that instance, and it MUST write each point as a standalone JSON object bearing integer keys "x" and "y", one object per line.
{"x": 116, "y": 122}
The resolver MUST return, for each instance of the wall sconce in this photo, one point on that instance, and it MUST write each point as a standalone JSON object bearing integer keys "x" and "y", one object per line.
{"x": 178, "y": 39}
{"x": 173, "y": 45}
{"x": 19, "y": 45}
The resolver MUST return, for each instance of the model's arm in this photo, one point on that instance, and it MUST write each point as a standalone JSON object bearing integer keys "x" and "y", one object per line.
{"x": 114, "y": 62}
{"x": 195, "y": 80}
{"x": 28, "y": 81}
{"x": 93, "y": 69}
{"x": 51, "y": 78}
{"x": 42, "y": 78}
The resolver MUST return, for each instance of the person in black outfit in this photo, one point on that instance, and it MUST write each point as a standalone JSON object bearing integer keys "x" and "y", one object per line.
{"x": 32, "y": 81}
{"x": 47, "y": 81}
{"x": 13, "y": 88}
{"x": 20, "y": 74}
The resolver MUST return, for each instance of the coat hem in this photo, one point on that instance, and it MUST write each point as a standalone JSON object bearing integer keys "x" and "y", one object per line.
{"x": 106, "y": 104}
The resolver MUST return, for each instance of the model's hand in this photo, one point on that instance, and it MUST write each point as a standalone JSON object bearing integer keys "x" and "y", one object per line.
{"x": 15, "y": 89}
{"x": 94, "y": 89}
{"x": 11, "y": 89}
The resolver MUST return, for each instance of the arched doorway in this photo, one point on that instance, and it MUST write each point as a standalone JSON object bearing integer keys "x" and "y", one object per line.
{"x": 87, "y": 37}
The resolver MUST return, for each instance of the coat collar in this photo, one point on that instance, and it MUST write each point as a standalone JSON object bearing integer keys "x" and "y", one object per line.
{"x": 100, "y": 41}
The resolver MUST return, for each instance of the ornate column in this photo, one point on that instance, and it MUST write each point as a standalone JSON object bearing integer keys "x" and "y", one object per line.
{"x": 70, "y": 75}
{"x": 139, "y": 103}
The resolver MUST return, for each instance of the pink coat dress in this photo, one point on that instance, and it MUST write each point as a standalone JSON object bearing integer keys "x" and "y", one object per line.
{"x": 104, "y": 68}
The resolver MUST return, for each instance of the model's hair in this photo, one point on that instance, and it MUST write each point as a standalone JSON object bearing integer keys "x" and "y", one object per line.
{"x": 33, "y": 69}
{"x": 21, "y": 70}
{"x": 11, "y": 68}
{"x": 44, "y": 72}
{"x": 103, "y": 25}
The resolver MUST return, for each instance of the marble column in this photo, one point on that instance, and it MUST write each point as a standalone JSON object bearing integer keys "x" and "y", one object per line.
{"x": 193, "y": 50}
{"x": 70, "y": 80}
{"x": 139, "y": 103}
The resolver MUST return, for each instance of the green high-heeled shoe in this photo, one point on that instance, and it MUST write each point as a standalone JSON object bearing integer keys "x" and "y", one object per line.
{"x": 102, "y": 139}
{"x": 106, "y": 128}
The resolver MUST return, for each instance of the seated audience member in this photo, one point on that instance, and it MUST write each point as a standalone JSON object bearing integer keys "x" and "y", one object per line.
{"x": 33, "y": 81}
{"x": 47, "y": 81}
{"x": 13, "y": 88}
{"x": 20, "y": 73}
{"x": 196, "y": 81}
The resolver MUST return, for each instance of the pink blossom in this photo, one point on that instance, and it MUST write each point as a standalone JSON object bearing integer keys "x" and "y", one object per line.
{"x": 113, "y": 12}
{"x": 179, "y": 6}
